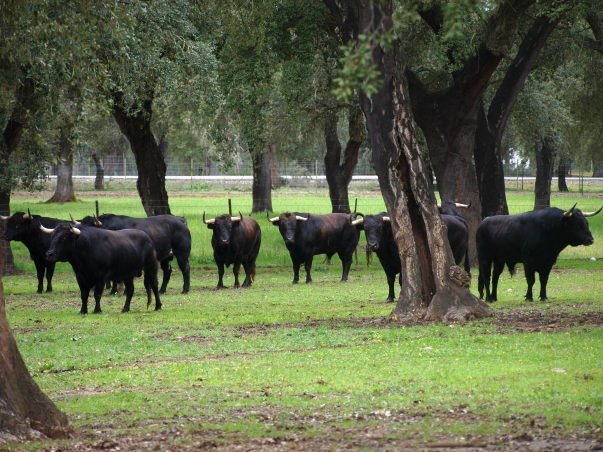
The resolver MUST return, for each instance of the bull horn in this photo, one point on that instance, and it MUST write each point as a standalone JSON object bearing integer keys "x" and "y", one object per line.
{"x": 46, "y": 230}
{"x": 465, "y": 206}
{"x": 74, "y": 221}
{"x": 387, "y": 219}
{"x": 300, "y": 218}
{"x": 27, "y": 216}
{"x": 592, "y": 214}
{"x": 357, "y": 221}
{"x": 273, "y": 219}
{"x": 236, "y": 219}
{"x": 76, "y": 231}
{"x": 2, "y": 217}
{"x": 208, "y": 221}
{"x": 570, "y": 212}
{"x": 97, "y": 222}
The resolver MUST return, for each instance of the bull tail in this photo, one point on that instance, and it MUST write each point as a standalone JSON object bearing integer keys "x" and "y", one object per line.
{"x": 328, "y": 260}
{"x": 252, "y": 273}
{"x": 467, "y": 262}
{"x": 511, "y": 268}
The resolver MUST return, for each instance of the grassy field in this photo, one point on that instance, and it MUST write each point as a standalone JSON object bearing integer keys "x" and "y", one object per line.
{"x": 314, "y": 366}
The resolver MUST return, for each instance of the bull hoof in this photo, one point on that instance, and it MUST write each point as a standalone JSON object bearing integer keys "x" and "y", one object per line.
{"x": 39, "y": 291}
{"x": 125, "y": 310}
{"x": 161, "y": 291}
{"x": 98, "y": 311}
{"x": 308, "y": 281}
{"x": 82, "y": 312}
{"x": 48, "y": 290}
{"x": 158, "y": 308}
{"x": 545, "y": 299}
{"x": 294, "y": 281}
{"x": 529, "y": 299}
{"x": 184, "y": 292}
{"x": 389, "y": 300}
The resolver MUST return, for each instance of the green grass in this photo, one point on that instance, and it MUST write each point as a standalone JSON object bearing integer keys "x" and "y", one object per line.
{"x": 311, "y": 363}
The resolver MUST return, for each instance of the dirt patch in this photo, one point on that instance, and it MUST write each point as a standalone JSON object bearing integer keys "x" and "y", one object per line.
{"x": 321, "y": 431}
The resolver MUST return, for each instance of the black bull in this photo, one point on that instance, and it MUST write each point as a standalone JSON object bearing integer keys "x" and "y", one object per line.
{"x": 98, "y": 255}
{"x": 24, "y": 227}
{"x": 308, "y": 235}
{"x": 235, "y": 241}
{"x": 170, "y": 236}
{"x": 533, "y": 238}
{"x": 380, "y": 239}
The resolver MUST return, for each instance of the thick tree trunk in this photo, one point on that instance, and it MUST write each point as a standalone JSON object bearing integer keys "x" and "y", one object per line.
{"x": 598, "y": 165}
{"x": 339, "y": 173}
{"x": 262, "y": 183}
{"x": 99, "y": 180}
{"x": 489, "y": 169}
{"x": 11, "y": 136}
{"x": 433, "y": 287}
{"x": 563, "y": 168}
{"x": 490, "y": 128}
{"x": 64, "y": 188}
{"x": 149, "y": 158}
{"x": 545, "y": 165}
{"x": 25, "y": 412}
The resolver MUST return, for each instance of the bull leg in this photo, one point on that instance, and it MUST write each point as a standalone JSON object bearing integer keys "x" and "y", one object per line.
{"x": 308, "y": 267}
{"x": 544, "y": 279}
{"x": 185, "y": 268}
{"x": 530, "y": 278}
{"x": 84, "y": 293}
{"x": 498, "y": 268}
{"x": 49, "y": 275}
{"x": 40, "y": 273}
{"x": 485, "y": 269}
{"x": 247, "y": 267}
{"x": 220, "y": 276}
{"x": 391, "y": 278}
{"x": 236, "y": 268}
{"x": 98, "y": 293}
{"x": 113, "y": 288}
{"x": 129, "y": 292}
{"x": 347, "y": 263}
{"x": 166, "y": 267}
{"x": 296, "y": 266}
{"x": 107, "y": 284}
{"x": 150, "y": 284}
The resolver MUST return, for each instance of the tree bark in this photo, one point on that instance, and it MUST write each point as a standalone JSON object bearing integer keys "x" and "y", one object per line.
{"x": 11, "y": 137}
{"x": 563, "y": 168}
{"x": 64, "y": 189}
{"x": 545, "y": 164}
{"x": 99, "y": 180}
{"x": 449, "y": 117}
{"x": 490, "y": 128}
{"x": 339, "y": 173}
{"x": 25, "y": 411}
{"x": 433, "y": 287}
{"x": 262, "y": 183}
{"x": 136, "y": 126}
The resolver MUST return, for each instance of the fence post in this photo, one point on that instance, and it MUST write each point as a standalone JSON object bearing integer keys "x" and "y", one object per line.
{"x": 125, "y": 166}
{"x": 96, "y": 207}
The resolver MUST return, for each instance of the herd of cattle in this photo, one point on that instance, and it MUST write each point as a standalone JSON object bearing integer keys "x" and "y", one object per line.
{"x": 117, "y": 248}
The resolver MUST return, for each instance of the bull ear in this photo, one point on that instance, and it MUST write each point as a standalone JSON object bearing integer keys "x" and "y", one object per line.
{"x": 592, "y": 214}
{"x": 570, "y": 212}
{"x": 46, "y": 230}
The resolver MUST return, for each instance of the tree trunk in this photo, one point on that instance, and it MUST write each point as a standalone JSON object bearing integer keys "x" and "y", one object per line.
{"x": 25, "y": 412}
{"x": 338, "y": 173}
{"x": 99, "y": 180}
{"x": 598, "y": 165}
{"x": 490, "y": 128}
{"x": 64, "y": 188}
{"x": 489, "y": 169}
{"x": 433, "y": 287}
{"x": 149, "y": 158}
{"x": 24, "y": 103}
{"x": 262, "y": 183}
{"x": 545, "y": 165}
{"x": 563, "y": 168}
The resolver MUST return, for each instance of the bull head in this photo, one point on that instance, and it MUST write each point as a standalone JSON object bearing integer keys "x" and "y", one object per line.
{"x": 592, "y": 214}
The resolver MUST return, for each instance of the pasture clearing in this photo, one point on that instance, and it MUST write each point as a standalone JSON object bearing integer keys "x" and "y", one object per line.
{"x": 314, "y": 366}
